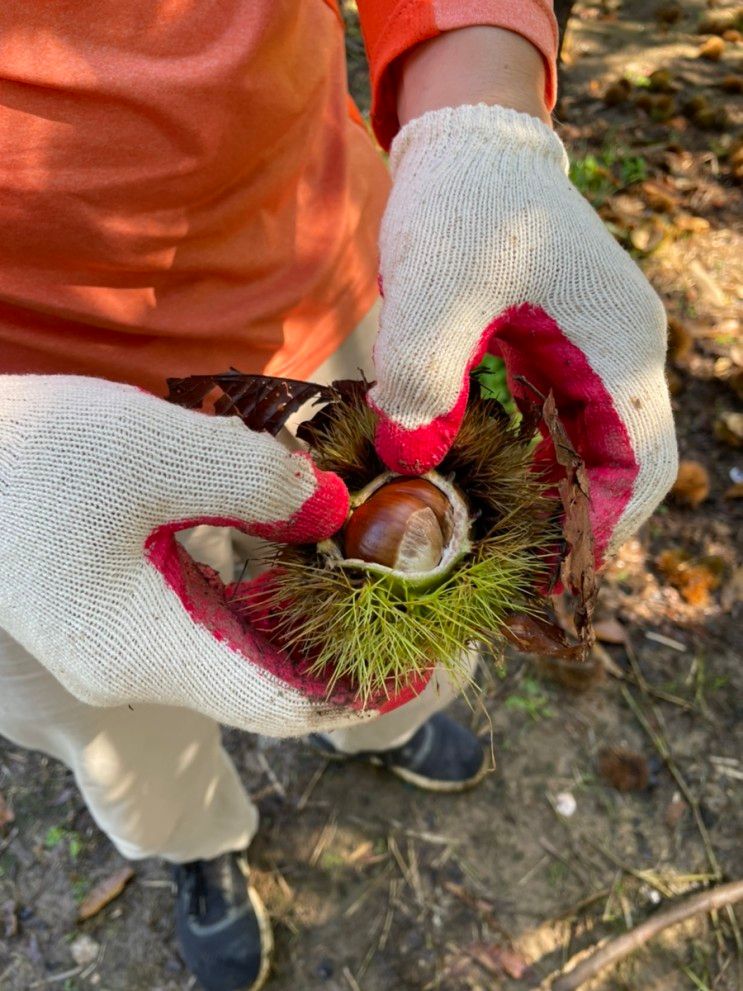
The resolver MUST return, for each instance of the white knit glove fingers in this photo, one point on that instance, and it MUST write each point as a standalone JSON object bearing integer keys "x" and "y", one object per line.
{"x": 95, "y": 481}
{"x": 486, "y": 245}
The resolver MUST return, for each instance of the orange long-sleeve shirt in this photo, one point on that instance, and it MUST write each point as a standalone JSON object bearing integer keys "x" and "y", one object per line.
{"x": 185, "y": 184}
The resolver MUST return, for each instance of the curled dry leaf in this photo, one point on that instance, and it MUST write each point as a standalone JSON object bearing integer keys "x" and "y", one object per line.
{"x": 658, "y": 196}
{"x": 692, "y": 485}
{"x": 694, "y": 578}
{"x": 104, "y": 892}
{"x": 535, "y": 635}
{"x": 729, "y": 429}
{"x": 610, "y": 631}
{"x": 624, "y": 769}
{"x": 578, "y": 570}
{"x": 6, "y": 813}
{"x": 498, "y": 959}
{"x": 262, "y": 402}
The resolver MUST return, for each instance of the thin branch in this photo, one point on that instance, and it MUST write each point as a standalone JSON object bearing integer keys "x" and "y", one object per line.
{"x": 622, "y": 946}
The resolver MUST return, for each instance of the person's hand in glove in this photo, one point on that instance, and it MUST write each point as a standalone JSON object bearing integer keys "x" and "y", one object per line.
{"x": 486, "y": 246}
{"x": 95, "y": 481}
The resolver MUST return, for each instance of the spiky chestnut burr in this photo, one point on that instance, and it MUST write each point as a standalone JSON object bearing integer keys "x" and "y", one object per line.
{"x": 381, "y": 618}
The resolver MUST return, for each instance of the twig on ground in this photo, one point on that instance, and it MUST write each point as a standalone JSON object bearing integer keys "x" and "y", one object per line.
{"x": 631, "y": 676}
{"x": 324, "y": 839}
{"x": 8, "y": 839}
{"x": 723, "y": 896}
{"x": 573, "y": 911}
{"x": 572, "y": 867}
{"x": 271, "y": 774}
{"x": 660, "y": 742}
{"x": 352, "y": 982}
{"x": 305, "y": 796}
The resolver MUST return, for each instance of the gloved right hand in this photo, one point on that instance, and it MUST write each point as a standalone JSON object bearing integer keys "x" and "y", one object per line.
{"x": 95, "y": 481}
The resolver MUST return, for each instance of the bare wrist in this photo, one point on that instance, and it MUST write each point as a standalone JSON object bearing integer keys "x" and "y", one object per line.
{"x": 469, "y": 66}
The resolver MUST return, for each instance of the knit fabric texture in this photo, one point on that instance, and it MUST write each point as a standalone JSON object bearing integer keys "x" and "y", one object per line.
{"x": 95, "y": 479}
{"x": 487, "y": 246}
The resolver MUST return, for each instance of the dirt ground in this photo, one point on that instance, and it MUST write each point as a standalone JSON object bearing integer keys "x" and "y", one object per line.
{"x": 375, "y": 886}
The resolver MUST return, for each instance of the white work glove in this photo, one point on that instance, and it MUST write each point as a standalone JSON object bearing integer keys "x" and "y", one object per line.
{"x": 486, "y": 246}
{"x": 95, "y": 480}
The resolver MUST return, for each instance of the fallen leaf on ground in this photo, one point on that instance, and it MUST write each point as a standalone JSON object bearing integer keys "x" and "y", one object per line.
{"x": 661, "y": 81}
{"x": 104, "y": 892}
{"x": 732, "y": 84}
{"x": 658, "y": 196}
{"x": 481, "y": 905}
{"x": 674, "y": 811}
{"x": 729, "y": 429}
{"x": 498, "y": 959}
{"x": 717, "y": 21}
{"x": 735, "y": 491}
{"x": 6, "y": 813}
{"x": 610, "y": 631}
{"x": 712, "y": 49}
{"x": 694, "y": 578}
{"x": 624, "y": 769}
{"x": 687, "y": 223}
{"x": 692, "y": 485}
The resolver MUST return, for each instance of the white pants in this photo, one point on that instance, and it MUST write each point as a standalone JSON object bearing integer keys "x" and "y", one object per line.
{"x": 156, "y": 778}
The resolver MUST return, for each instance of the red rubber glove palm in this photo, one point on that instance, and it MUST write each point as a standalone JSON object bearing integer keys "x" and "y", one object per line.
{"x": 486, "y": 246}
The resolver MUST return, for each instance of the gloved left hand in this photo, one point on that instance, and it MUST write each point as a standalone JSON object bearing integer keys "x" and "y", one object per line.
{"x": 486, "y": 246}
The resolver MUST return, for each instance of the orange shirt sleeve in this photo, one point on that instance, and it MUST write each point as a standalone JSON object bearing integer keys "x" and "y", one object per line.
{"x": 393, "y": 27}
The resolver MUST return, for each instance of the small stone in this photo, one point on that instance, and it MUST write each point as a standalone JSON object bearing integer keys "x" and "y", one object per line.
{"x": 565, "y": 804}
{"x": 84, "y": 950}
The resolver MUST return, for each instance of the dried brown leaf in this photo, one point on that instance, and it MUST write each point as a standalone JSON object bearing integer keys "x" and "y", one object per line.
{"x": 692, "y": 485}
{"x": 534, "y": 635}
{"x": 624, "y": 769}
{"x": 262, "y": 402}
{"x": 104, "y": 892}
{"x": 6, "y": 813}
{"x": 610, "y": 631}
{"x": 578, "y": 567}
{"x": 680, "y": 340}
{"x": 498, "y": 960}
{"x": 695, "y": 579}
{"x": 729, "y": 429}
{"x": 734, "y": 491}
{"x": 659, "y": 196}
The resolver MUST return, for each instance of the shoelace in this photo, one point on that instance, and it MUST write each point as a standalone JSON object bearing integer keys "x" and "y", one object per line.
{"x": 195, "y": 888}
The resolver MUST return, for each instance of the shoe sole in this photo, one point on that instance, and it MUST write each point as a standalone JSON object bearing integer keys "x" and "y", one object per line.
{"x": 431, "y": 784}
{"x": 419, "y": 780}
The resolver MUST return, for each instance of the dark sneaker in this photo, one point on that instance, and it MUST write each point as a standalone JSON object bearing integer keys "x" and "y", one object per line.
{"x": 222, "y": 926}
{"x": 440, "y": 756}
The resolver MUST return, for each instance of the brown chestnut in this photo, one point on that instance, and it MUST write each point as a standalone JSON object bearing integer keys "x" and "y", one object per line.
{"x": 403, "y": 525}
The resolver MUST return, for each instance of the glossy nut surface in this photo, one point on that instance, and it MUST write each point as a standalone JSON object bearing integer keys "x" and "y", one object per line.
{"x": 402, "y": 525}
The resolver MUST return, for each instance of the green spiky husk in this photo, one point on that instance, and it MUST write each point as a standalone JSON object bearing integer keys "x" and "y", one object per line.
{"x": 380, "y": 632}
